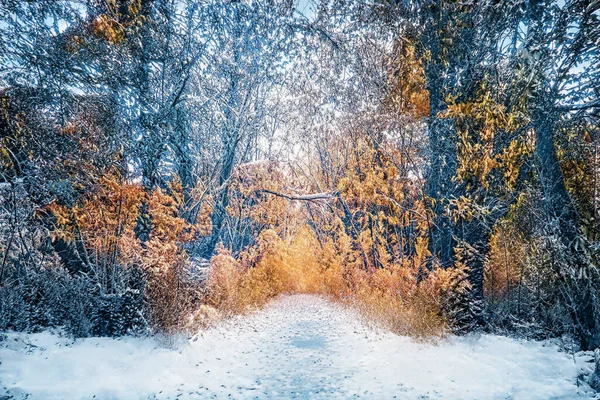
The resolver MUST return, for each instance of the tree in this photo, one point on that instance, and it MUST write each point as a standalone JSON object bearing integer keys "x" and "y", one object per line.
{"x": 250, "y": 47}
{"x": 573, "y": 30}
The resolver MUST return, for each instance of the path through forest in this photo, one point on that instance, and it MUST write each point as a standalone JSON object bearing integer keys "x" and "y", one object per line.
{"x": 297, "y": 347}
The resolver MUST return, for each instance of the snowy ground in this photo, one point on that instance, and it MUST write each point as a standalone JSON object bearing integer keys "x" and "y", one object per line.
{"x": 297, "y": 347}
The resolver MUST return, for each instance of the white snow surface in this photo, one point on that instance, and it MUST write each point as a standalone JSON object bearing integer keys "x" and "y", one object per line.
{"x": 298, "y": 346}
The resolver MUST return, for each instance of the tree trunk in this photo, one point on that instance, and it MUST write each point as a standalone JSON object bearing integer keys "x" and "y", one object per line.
{"x": 579, "y": 292}
{"x": 222, "y": 199}
{"x": 149, "y": 151}
{"x": 72, "y": 253}
{"x": 230, "y": 138}
{"x": 442, "y": 145}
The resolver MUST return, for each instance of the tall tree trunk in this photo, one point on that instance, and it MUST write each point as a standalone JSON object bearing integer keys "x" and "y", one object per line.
{"x": 148, "y": 152}
{"x": 221, "y": 200}
{"x": 230, "y": 139}
{"x": 570, "y": 260}
{"x": 442, "y": 143}
{"x": 185, "y": 170}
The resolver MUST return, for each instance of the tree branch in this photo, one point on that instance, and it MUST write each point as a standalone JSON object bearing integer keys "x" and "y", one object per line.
{"x": 303, "y": 197}
{"x": 576, "y": 107}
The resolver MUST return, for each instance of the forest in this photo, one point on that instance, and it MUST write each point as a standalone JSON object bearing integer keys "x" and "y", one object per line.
{"x": 432, "y": 165}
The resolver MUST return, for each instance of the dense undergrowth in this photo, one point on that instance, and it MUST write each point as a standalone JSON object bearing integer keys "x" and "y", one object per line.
{"x": 390, "y": 298}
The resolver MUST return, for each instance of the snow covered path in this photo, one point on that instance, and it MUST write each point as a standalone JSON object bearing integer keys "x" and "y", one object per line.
{"x": 297, "y": 347}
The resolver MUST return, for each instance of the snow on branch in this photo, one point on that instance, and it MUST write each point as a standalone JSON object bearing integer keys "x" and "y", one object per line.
{"x": 303, "y": 197}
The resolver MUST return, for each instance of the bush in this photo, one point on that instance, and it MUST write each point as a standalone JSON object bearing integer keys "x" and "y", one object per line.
{"x": 53, "y": 298}
{"x": 389, "y": 297}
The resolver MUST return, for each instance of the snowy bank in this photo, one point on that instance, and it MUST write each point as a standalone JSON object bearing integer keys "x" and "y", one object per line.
{"x": 297, "y": 347}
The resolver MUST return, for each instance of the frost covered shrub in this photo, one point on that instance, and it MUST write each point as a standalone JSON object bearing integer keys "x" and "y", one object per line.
{"x": 12, "y": 309}
{"x": 119, "y": 315}
{"x": 105, "y": 221}
{"x": 81, "y": 267}
{"x": 530, "y": 288}
{"x": 528, "y": 304}
{"x": 47, "y": 299}
{"x": 53, "y": 298}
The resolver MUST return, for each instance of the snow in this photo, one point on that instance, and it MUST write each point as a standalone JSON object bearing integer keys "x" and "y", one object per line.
{"x": 297, "y": 347}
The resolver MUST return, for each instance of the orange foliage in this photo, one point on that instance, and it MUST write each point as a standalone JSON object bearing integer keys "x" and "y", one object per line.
{"x": 115, "y": 24}
{"x": 384, "y": 204}
{"x": 376, "y": 248}
{"x": 389, "y": 297}
{"x": 108, "y": 28}
{"x": 408, "y": 94}
{"x": 106, "y": 220}
{"x": 506, "y": 263}
{"x": 248, "y": 201}
{"x": 481, "y": 125}
{"x": 373, "y": 268}
{"x": 267, "y": 269}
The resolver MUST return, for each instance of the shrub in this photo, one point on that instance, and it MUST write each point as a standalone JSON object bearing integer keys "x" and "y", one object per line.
{"x": 389, "y": 297}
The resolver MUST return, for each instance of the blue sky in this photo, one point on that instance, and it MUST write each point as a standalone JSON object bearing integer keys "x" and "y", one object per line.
{"x": 307, "y": 8}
